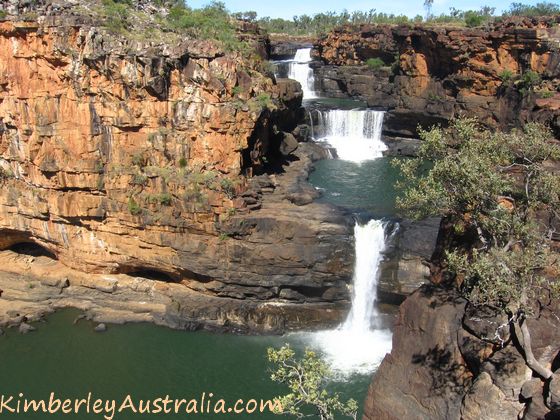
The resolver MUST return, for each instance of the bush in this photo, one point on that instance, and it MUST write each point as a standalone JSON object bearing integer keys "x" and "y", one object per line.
{"x": 133, "y": 207}
{"x": 530, "y": 79}
{"x": 540, "y": 9}
{"x": 375, "y": 63}
{"x": 3, "y": 14}
{"x": 474, "y": 19}
{"x": 117, "y": 13}
{"x": 183, "y": 162}
{"x": 506, "y": 76}
{"x": 210, "y": 22}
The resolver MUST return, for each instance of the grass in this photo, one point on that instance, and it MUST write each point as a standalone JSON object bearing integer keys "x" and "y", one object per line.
{"x": 375, "y": 63}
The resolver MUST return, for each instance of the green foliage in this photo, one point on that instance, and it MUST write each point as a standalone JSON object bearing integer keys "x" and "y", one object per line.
{"x": 474, "y": 19}
{"x": 546, "y": 94}
{"x": 307, "y": 381}
{"x": 540, "y": 9}
{"x": 163, "y": 199}
{"x": 133, "y": 207}
{"x": 183, "y": 162}
{"x": 466, "y": 175}
{"x": 434, "y": 97}
{"x": 139, "y": 179}
{"x": 228, "y": 187}
{"x": 5, "y": 174}
{"x": 265, "y": 101}
{"x": 530, "y": 79}
{"x": 139, "y": 160}
{"x": 506, "y": 76}
{"x": 117, "y": 13}
{"x": 375, "y": 63}
{"x": 324, "y": 22}
{"x": 210, "y": 22}
{"x": 3, "y": 14}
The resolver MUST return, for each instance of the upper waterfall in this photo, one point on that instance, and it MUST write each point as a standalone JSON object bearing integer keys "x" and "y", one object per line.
{"x": 299, "y": 70}
{"x": 355, "y": 134}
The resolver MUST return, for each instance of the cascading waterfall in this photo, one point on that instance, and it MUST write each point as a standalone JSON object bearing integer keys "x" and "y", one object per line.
{"x": 355, "y": 134}
{"x": 370, "y": 243}
{"x": 299, "y": 70}
{"x": 359, "y": 344}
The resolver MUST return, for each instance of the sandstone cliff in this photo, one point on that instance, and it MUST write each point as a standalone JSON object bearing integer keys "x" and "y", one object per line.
{"x": 133, "y": 156}
{"x": 424, "y": 75}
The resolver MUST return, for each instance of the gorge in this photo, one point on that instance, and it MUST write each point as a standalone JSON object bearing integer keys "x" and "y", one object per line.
{"x": 170, "y": 181}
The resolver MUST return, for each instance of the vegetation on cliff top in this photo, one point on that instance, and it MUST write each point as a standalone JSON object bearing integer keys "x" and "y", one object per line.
{"x": 325, "y": 22}
{"x": 162, "y": 18}
{"x": 501, "y": 194}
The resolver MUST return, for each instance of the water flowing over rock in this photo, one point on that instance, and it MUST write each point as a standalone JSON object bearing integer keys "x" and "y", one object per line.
{"x": 354, "y": 134}
{"x": 300, "y": 70}
{"x": 361, "y": 342}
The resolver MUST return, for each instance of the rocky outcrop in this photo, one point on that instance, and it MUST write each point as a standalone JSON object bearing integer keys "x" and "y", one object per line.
{"x": 447, "y": 363}
{"x": 122, "y": 156}
{"x": 284, "y": 47}
{"x": 424, "y": 75}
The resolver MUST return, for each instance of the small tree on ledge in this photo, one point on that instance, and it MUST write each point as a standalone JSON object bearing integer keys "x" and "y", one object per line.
{"x": 498, "y": 192}
{"x": 307, "y": 379}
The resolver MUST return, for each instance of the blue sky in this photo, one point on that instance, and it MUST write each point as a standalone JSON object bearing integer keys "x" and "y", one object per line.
{"x": 289, "y": 8}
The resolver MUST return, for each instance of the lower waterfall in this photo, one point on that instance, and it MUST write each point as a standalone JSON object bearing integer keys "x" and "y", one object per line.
{"x": 360, "y": 343}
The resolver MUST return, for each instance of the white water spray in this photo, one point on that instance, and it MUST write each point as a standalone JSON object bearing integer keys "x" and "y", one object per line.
{"x": 355, "y": 134}
{"x": 299, "y": 70}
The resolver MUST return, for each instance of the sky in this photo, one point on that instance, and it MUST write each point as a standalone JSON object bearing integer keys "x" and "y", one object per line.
{"x": 288, "y": 8}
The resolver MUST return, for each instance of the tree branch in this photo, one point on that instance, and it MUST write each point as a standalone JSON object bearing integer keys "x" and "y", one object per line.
{"x": 524, "y": 338}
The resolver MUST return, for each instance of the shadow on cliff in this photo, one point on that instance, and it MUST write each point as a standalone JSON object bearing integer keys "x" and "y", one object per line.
{"x": 447, "y": 374}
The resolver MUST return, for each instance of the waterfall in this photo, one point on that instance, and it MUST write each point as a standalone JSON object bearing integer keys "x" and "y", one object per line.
{"x": 299, "y": 70}
{"x": 370, "y": 243}
{"x": 359, "y": 344}
{"x": 355, "y": 134}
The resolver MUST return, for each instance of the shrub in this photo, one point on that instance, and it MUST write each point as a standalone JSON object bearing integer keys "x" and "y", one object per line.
{"x": 530, "y": 79}
{"x": 183, "y": 162}
{"x": 506, "y": 76}
{"x": 546, "y": 94}
{"x": 138, "y": 160}
{"x": 139, "y": 179}
{"x": 227, "y": 187}
{"x": 133, "y": 207}
{"x": 3, "y": 14}
{"x": 474, "y": 19}
{"x": 375, "y": 63}
{"x": 117, "y": 13}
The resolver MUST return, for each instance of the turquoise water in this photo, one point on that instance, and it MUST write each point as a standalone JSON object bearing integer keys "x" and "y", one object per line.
{"x": 367, "y": 186}
{"x": 144, "y": 361}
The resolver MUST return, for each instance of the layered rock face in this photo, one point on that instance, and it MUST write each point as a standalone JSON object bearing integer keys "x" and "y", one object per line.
{"x": 121, "y": 156}
{"x": 429, "y": 75}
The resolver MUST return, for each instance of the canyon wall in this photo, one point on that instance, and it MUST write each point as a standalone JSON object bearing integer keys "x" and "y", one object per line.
{"x": 427, "y": 75}
{"x": 124, "y": 156}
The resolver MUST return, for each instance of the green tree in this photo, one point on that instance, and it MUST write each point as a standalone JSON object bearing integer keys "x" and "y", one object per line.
{"x": 428, "y": 6}
{"x": 307, "y": 379}
{"x": 490, "y": 186}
